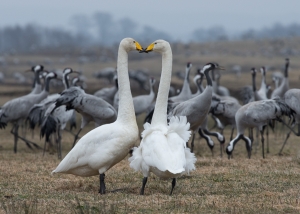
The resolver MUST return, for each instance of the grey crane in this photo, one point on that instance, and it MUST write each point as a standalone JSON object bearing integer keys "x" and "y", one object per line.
{"x": 56, "y": 120}
{"x": 185, "y": 92}
{"x": 284, "y": 86}
{"x": 16, "y": 110}
{"x": 108, "y": 94}
{"x": 90, "y": 107}
{"x": 257, "y": 114}
{"x": 277, "y": 77}
{"x": 37, "y": 112}
{"x": 37, "y": 86}
{"x": 108, "y": 73}
{"x": 292, "y": 99}
{"x": 141, "y": 77}
{"x": 263, "y": 90}
{"x": 141, "y": 102}
{"x": 225, "y": 110}
{"x": 197, "y": 108}
{"x": 221, "y": 90}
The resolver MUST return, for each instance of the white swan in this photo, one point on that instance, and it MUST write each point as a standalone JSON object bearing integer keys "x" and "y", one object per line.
{"x": 163, "y": 147}
{"x": 103, "y": 147}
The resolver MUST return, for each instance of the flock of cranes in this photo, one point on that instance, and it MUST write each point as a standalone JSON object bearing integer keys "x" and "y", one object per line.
{"x": 170, "y": 120}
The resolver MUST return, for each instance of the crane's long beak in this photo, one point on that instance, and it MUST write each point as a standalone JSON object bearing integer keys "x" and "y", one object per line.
{"x": 221, "y": 68}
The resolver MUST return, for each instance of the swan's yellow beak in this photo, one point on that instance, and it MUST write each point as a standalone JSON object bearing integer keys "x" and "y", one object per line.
{"x": 138, "y": 47}
{"x": 149, "y": 48}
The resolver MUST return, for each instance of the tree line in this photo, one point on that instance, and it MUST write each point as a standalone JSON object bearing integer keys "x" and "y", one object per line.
{"x": 101, "y": 29}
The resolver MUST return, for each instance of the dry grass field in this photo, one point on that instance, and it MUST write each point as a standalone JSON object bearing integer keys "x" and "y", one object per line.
{"x": 218, "y": 185}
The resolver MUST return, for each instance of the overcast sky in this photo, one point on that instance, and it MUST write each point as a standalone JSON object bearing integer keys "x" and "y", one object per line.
{"x": 176, "y": 17}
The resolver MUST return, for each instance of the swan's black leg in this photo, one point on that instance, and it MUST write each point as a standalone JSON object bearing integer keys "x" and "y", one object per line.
{"x": 102, "y": 184}
{"x": 144, "y": 184}
{"x": 173, "y": 185}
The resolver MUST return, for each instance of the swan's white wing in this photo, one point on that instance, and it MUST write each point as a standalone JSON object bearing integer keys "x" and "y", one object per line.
{"x": 96, "y": 152}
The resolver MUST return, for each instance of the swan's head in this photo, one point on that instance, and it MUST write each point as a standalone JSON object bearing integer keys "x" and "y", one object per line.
{"x": 130, "y": 45}
{"x": 158, "y": 46}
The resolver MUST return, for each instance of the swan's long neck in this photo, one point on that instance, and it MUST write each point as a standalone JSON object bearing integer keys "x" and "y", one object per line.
{"x": 126, "y": 109}
{"x": 160, "y": 112}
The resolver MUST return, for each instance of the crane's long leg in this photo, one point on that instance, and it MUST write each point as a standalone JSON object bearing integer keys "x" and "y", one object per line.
{"x": 192, "y": 143}
{"x": 267, "y": 133}
{"x": 287, "y": 137}
{"x": 16, "y": 129}
{"x": 143, "y": 186}
{"x": 44, "y": 147}
{"x": 59, "y": 143}
{"x": 262, "y": 142}
{"x": 173, "y": 185}
{"x": 102, "y": 184}
{"x": 76, "y": 137}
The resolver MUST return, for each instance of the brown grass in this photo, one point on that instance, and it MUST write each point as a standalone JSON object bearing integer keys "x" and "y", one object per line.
{"x": 218, "y": 185}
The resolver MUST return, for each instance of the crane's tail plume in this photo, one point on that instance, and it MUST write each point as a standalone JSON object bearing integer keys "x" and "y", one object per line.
{"x": 48, "y": 127}
{"x": 284, "y": 109}
{"x": 35, "y": 116}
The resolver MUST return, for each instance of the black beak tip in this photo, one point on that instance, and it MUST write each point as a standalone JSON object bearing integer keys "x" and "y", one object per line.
{"x": 143, "y": 51}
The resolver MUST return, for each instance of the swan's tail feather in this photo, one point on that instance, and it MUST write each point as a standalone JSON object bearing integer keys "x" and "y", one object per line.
{"x": 136, "y": 159}
{"x": 180, "y": 126}
{"x": 190, "y": 160}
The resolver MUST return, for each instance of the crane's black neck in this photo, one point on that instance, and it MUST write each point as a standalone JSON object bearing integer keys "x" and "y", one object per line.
{"x": 116, "y": 83}
{"x": 213, "y": 74}
{"x": 253, "y": 81}
{"x": 65, "y": 76}
{"x": 199, "y": 84}
{"x": 286, "y": 68}
{"x": 187, "y": 75}
{"x": 47, "y": 84}
{"x": 208, "y": 79}
{"x": 36, "y": 78}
